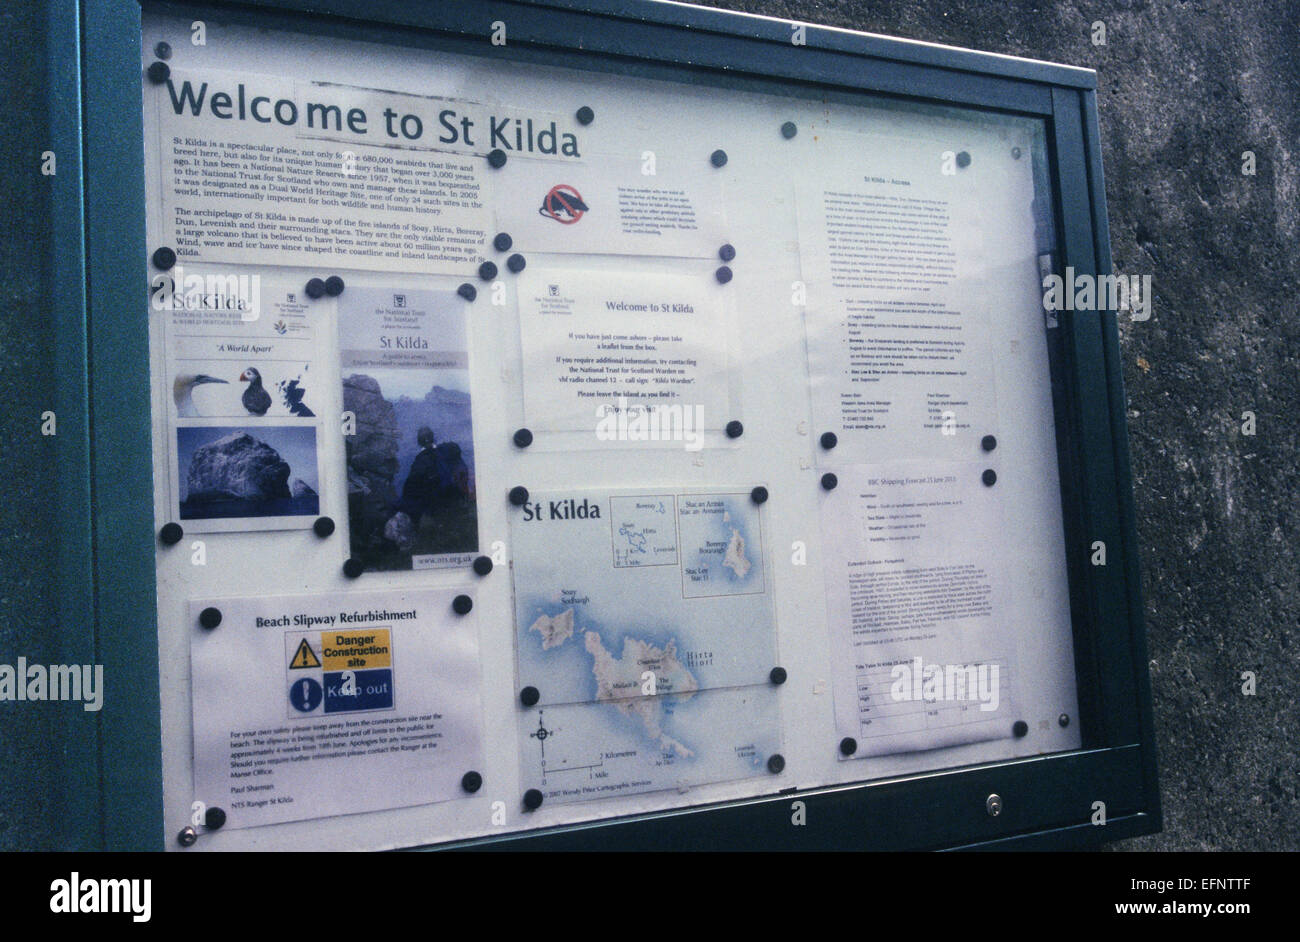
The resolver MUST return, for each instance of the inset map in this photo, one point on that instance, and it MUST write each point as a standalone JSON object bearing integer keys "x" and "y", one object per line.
{"x": 722, "y": 547}
{"x": 644, "y": 530}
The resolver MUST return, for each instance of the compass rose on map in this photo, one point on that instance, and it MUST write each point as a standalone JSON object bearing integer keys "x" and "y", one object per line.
{"x": 541, "y": 733}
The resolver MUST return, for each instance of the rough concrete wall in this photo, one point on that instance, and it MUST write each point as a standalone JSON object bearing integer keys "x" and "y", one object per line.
{"x": 1183, "y": 89}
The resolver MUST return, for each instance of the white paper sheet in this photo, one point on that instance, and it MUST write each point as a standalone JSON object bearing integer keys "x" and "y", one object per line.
{"x": 915, "y": 596}
{"x": 609, "y": 205}
{"x": 314, "y": 174}
{"x": 629, "y": 357}
{"x": 243, "y": 397}
{"x": 227, "y": 332}
{"x": 644, "y": 621}
{"x": 312, "y": 706}
{"x": 907, "y": 253}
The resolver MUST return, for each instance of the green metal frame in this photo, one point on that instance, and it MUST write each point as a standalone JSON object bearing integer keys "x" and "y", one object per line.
{"x": 107, "y": 574}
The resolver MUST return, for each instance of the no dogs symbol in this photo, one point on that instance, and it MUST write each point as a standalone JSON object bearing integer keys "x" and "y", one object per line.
{"x": 563, "y": 204}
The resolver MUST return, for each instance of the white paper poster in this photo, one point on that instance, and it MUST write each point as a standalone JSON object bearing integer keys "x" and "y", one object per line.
{"x": 312, "y": 706}
{"x": 630, "y": 357}
{"x": 240, "y": 343}
{"x": 644, "y": 622}
{"x": 612, "y": 206}
{"x": 316, "y": 174}
{"x": 909, "y": 257}
{"x": 922, "y": 651}
{"x": 243, "y": 390}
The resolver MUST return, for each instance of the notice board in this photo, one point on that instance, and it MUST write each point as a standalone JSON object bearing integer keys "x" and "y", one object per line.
{"x": 544, "y": 441}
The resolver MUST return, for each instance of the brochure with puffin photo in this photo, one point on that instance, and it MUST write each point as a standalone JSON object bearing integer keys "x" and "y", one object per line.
{"x": 242, "y": 398}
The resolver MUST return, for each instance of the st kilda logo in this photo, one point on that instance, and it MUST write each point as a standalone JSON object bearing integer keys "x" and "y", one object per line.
{"x": 563, "y": 204}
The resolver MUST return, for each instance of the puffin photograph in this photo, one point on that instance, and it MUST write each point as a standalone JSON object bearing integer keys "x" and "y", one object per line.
{"x": 256, "y": 399}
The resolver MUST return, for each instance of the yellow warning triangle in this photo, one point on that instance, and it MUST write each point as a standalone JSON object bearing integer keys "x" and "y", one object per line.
{"x": 304, "y": 657}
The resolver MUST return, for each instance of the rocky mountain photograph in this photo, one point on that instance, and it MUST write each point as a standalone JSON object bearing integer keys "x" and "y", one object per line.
{"x": 393, "y": 518}
{"x": 229, "y": 473}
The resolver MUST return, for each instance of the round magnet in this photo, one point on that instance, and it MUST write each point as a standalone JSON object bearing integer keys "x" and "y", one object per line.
{"x": 502, "y": 242}
{"x": 529, "y": 696}
{"x": 323, "y": 526}
{"x": 467, "y": 291}
{"x": 516, "y": 263}
{"x": 1015, "y": 153}
{"x": 315, "y": 288}
{"x": 585, "y": 115}
{"x": 1063, "y": 720}
{"x": 532, "y": 799}
{"x": 461, "y": 604}
{"x": 829, "y": 440}
{"x": 471, "y": 782}
{"x": 1020, "y": 729}
{"x": 723, "y": 274}
{"x": 158, "y": 72}
{"x": 171, "y": 533}
{"x": 758, "y": 495}
{"x": 727, "y": 252}
{"x": 523, "y": 438}
{"x": 989, "y": 477}
{"x": 210, "y": 617}
{"x": 163, "y": 258}
{"x": 789, "y": 130}
{"x": 776, "y": 763}
{"x": 735, "y": 429}
{"x": 353, "y": 567}
{"x": 519, "y": 495}
{"x": 213, "y": 819}
{"x": 988, "y": 443}
{"x": 487, "y": 271}
{"x": 777, "y": 675}
{"x": 334, "y": 286}
{"x": 162, "y": 50}
{"x": 848, "y": 746}
{"x": 483, "y": 565}
{"x": 829, "y": 481}
{"x": 963, "y": 159}
{"x": 497, "y": 158}
{"x": 718, "y": 158}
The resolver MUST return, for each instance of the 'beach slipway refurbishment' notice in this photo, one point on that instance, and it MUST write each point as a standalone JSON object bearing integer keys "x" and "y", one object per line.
{"x": 644, "y": 621}
{"x": 311, "y": 706}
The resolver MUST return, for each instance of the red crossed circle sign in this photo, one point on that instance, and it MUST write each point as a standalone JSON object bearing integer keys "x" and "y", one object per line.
{"x": 561, "y": 200}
